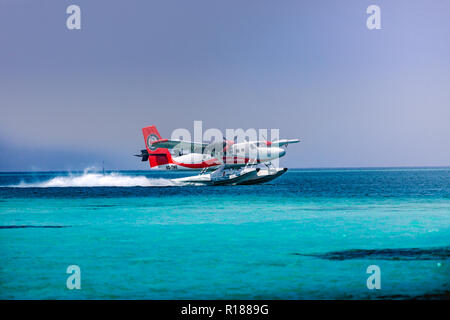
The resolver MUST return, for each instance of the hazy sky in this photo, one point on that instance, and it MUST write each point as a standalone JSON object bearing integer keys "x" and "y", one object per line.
{"x": 354, "y": 96}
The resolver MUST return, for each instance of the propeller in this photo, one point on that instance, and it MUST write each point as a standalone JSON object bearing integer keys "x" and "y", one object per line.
{"x": 143, "y": 155}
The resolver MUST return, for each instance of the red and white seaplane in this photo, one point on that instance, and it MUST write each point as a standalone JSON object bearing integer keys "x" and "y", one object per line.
{"x": 230, "y": 162}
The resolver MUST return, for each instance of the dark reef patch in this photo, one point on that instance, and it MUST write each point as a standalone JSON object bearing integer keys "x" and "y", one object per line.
{"x": 21, "y": 227}
{"x": 385, "y": 254}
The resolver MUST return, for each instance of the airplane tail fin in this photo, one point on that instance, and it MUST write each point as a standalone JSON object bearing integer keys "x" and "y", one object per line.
{"x": 156, "y": 156}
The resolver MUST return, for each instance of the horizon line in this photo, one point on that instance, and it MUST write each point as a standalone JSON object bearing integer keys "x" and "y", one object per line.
{"x": 293, "y": 168}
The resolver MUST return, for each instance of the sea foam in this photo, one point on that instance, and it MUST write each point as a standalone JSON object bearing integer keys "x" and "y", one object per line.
{"x": 89, "y": 179}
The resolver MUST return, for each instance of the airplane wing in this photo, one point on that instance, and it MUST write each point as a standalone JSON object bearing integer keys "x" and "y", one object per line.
{"x": 215, "y": 148}
{"x": 284, "y": 142}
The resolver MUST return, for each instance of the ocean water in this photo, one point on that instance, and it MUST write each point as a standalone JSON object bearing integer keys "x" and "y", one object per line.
{"x": 310, "y": 234}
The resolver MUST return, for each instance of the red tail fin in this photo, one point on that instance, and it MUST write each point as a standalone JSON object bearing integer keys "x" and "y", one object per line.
{"x": 157, "y": 156}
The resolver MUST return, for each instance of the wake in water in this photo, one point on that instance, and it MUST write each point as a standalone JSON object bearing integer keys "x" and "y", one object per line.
{"x": 88, "y": 179}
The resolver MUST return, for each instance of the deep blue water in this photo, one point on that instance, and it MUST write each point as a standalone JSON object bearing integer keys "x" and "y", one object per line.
{"x": 310, "y": 234}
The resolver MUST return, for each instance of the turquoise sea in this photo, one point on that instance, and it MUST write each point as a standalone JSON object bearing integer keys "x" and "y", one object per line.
{"x": 310, "y": 234}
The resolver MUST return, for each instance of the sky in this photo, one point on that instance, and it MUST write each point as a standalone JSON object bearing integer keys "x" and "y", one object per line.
{"x": 355, "y": 97}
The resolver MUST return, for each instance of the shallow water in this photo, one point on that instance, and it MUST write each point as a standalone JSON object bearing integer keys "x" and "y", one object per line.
{"x": 310, "y": 234}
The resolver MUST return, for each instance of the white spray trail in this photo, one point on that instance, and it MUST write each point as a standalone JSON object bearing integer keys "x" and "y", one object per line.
{"x": 99, "y": 180}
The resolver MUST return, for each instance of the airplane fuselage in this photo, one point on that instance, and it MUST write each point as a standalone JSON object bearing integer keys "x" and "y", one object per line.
{"x": 236, "y": 155}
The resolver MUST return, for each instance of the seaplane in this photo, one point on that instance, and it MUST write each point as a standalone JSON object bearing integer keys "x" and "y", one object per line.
{"x": 224, "y": 162}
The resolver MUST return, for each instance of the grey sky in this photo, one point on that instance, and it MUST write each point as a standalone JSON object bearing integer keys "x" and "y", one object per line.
{"x": 355, "y": 97}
